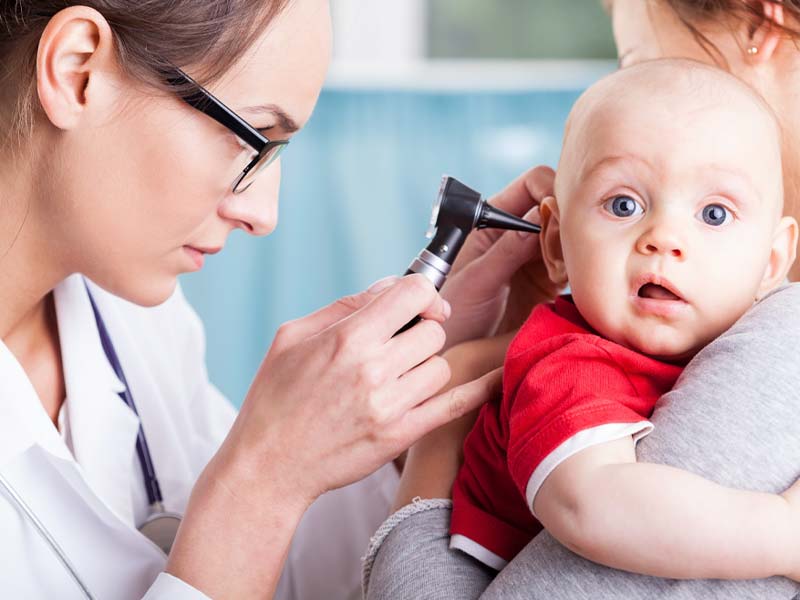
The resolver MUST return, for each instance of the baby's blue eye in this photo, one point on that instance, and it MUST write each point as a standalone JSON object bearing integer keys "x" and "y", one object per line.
{"x": 715, "y": 214}
{"x": 623, "y": 206}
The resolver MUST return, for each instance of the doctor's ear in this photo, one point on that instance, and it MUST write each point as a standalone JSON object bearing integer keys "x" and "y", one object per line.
{"x": 781, "y": 256}
{"x": 550, "y": 240}
{"x": 75, "y": 50}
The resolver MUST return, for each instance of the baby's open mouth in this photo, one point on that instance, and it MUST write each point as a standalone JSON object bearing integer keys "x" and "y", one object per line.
{"x": 657, "y": 292}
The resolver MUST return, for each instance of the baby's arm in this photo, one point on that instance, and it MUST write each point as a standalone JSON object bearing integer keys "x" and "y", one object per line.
{"x": 658, "y": 520}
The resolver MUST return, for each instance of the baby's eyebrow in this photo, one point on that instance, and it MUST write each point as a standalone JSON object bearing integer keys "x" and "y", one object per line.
{"x": 738, "y": 184}
{"x": 613, "y": 161}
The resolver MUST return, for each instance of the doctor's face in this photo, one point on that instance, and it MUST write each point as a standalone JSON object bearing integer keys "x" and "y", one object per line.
{"x": 150, "y": 186}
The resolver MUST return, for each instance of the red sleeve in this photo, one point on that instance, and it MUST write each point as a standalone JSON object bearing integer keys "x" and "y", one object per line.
{"x": 574, "y": 388}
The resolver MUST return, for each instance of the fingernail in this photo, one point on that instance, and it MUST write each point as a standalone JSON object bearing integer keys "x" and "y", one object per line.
{"x": 448, "y": 310}
{"x": 529, "y": 216}
{"x": 382, "y": 284}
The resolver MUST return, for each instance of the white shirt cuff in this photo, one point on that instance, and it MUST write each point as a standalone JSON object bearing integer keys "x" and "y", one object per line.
{"x": 169, "y": 587}
{"x": 580, "y": 441}
{"x": 478, "y": 552}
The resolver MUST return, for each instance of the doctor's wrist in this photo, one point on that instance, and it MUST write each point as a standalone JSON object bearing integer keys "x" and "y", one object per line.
{"x": 236, "y": 532}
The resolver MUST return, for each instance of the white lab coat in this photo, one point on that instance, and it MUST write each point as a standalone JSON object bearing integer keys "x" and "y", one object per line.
{"x": 85, "y": 484}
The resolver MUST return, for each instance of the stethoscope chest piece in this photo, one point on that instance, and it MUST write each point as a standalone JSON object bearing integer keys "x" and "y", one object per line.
{"x": 161, "y": 528}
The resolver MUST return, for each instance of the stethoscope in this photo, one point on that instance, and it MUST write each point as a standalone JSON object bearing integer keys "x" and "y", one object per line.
{"x": 161, "y": 526}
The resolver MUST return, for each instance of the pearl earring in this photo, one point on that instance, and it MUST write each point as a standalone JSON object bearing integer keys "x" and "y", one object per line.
{"x": 752, "y": 50}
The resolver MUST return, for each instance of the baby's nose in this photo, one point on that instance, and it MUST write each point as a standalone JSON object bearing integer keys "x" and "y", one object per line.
{"x": 664, "y": 239}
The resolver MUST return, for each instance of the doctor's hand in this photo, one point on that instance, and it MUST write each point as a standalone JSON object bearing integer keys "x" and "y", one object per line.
{"x": 499, "y": 275}
{"x": 337, "y": 395}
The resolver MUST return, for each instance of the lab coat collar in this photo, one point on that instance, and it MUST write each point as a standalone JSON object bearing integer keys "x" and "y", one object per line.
{"x": 102, "y": 427}
{"x": 24, "y": 421}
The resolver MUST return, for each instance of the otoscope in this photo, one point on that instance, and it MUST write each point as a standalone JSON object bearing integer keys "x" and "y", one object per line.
{"x": 457, "y": 210}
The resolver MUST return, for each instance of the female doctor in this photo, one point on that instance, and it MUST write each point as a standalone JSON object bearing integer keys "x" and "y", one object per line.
{"x": 135, "y": 137}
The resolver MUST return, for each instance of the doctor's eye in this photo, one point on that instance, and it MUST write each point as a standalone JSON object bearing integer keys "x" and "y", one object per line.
{"x": 623, "y": 206}
{"x": 715, "y": 215}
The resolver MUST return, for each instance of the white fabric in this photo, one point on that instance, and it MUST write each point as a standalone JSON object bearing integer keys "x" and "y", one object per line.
{"x": 580, "y": 441}
{"x": 478, "y": 552}
{"x": 85, "y": 483}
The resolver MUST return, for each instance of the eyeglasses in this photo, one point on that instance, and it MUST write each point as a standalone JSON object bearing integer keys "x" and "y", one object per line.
{"x": 265, "y": 151}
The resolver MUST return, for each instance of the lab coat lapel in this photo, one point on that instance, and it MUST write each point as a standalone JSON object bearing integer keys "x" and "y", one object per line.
{"x": 112, "y": 559}
{"x": 23, "y": 419}
{"x": 103, "y": 428}
{"x": 151, "y": 396}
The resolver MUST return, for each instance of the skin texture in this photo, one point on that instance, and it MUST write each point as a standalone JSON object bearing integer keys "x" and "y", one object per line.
{"x": 649, "y": 29}
{"x": 706, "y": 141}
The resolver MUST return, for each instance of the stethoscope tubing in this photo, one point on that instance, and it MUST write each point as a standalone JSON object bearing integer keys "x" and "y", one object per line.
{"x": 51, "y": 541}
{"x": 151, "y": 484}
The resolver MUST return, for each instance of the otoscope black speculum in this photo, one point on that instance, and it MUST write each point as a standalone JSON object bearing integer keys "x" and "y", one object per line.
{"x": 457, "y": 210}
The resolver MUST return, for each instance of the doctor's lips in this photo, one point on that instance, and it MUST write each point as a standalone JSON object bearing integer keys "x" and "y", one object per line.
{"x": 198, "y": 254}
{"x": 206, "y": 250}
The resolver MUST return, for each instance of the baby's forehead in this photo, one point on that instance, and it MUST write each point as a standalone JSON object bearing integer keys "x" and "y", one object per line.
{"x": 675, "y": 113}
{"x": 674, "y": 89}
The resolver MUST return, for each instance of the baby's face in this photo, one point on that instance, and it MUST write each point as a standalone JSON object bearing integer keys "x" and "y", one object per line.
{"x": 668, "y": 209}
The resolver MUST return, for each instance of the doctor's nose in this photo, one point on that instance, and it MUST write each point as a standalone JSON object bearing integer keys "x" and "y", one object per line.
{"x": 663, "y": 237}
{"x": 255, "y": 210}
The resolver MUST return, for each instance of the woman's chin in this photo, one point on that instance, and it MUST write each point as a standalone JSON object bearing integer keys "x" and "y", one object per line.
{"x": 152, "y": 291}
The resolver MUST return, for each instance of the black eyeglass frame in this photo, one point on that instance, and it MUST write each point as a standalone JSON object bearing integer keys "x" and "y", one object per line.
{"x": 204, "y": 101}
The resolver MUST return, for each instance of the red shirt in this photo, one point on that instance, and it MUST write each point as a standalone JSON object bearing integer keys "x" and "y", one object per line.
{"x": 564, "y": 389}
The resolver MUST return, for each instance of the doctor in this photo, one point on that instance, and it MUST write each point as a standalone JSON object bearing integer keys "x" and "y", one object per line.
{"x": 135, "y": 137}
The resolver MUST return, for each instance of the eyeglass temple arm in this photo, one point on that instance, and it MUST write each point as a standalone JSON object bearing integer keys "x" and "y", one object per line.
{"x": 206, "y": 102}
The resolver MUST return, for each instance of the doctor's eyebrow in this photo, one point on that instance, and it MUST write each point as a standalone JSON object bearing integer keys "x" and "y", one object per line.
{"x": 285, "y": 122}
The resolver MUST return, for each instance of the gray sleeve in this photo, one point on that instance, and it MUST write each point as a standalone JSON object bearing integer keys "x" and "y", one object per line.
{"x": 409, "y": 558}
{"x": 732, "y": 418}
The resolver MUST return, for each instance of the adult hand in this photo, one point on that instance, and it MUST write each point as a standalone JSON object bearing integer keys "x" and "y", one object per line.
{"x": 337, "y": 396}
{"x": 499, "y": 276}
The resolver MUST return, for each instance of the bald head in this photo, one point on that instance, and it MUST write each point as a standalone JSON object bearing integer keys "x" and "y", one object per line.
{"x": 666, "y": 109}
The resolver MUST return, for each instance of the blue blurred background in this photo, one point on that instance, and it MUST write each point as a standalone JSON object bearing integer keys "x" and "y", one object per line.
{"x": 419, "y": 88}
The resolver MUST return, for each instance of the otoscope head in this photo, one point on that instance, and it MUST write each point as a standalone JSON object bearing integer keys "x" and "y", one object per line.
{"x": 462, "y": 207}
{"x": 457, "y": 211}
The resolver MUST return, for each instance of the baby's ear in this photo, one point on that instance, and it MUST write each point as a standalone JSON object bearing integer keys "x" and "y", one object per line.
{"x": 781, "y": 256}
{"x": 550, "y": 240}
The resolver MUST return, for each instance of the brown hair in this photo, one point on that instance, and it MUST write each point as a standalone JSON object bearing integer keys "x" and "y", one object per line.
{"x": 750, "y": 12}
{"x": 149, "y": 35}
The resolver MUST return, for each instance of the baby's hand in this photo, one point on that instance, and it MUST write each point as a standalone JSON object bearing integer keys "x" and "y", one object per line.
{"x": 792, "y": 496}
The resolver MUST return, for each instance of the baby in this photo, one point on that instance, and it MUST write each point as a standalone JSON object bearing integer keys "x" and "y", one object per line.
{"x": 667, "y": 224}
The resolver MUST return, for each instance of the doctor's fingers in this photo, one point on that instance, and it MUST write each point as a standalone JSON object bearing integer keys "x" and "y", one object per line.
{"x": 293, "y": 332}
{"x": 392, "y": 308}
{"x": 503, "y": 259}
{"x": 415, "y": 387}
{"x": 412, "y": 347}
{"x": 450, "y": 405}
{"x": 525, "y": 191}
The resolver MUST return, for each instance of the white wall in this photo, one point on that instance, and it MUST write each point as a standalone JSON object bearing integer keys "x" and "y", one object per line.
{"x": 388, "y": 32}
